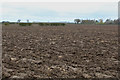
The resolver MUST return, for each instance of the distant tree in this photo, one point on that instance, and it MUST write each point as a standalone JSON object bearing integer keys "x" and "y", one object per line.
{"x": 109, "y": 21}
{"x": 18, "y": 20}
{"x": 27, "y": 21}
{"x": 96, "y": 21}
{"x": 100, "y": 21}
{"x": 116, "y": 21}
{"x": 88, "y": 22}
{"x": 77, "y": 20}
{"x": 5, "y": 22}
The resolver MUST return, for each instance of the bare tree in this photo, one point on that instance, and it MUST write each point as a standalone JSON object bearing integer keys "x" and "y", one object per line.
{"x": 77, "y": 20}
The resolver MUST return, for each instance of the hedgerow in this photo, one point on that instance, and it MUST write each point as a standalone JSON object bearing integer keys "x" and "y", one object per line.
{"x": 52, "y": 24}
{"x": 25, "y": 24}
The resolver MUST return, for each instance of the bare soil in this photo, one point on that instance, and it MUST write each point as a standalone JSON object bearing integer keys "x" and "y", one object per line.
{"x": 71, "y": 51}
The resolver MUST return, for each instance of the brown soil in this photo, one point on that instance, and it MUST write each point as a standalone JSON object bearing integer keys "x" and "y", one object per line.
{"x": 72, "y": 51}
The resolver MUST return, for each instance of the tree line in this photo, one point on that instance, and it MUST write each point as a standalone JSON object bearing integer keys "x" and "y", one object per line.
{"x": 30, "y": 23}
{"x": 77, "y": 21}
{"x": 100, "y": 21}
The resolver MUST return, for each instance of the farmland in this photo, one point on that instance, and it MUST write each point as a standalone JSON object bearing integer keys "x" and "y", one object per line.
{"x": 70, "y": 51}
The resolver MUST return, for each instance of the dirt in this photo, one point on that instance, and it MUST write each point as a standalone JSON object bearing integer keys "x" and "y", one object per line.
{"x": 71, "y": 51}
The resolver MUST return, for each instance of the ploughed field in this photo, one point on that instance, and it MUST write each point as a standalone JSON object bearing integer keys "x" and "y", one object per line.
{"x": 71, "y": 51}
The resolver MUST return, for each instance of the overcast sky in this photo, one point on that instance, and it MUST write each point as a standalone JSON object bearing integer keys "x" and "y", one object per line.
{"x": 58, "y": 11}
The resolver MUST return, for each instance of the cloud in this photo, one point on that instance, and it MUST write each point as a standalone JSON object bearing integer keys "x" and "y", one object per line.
{"x": 58, "y": 11}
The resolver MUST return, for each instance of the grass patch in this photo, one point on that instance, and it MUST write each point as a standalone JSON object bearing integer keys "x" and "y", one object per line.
{"x": 25, "y": 24}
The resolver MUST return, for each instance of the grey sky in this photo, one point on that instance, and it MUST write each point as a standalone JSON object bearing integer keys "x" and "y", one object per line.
{"x": 58, "y": 11}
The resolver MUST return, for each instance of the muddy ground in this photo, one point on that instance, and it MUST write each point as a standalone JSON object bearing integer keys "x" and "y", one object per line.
{"x": 71, "y": 51}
